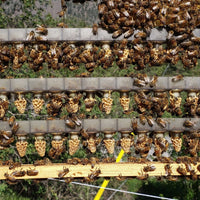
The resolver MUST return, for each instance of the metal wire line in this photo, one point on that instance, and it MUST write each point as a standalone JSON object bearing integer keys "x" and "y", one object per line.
{"x": 116, "y": 190}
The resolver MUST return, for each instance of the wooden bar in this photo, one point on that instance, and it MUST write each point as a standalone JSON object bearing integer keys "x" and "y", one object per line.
{"x": 107, "y": 170}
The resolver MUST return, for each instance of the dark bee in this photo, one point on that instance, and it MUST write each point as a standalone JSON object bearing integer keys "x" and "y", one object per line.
{"x": 10, "y": 177}
{"x": 153, "y": 81}
{"x": 63, "y": 172}
{"x": 149, "y": 168}
{"x": 150, "y": 120}
{"x": 19, "y": 173}
{"x": 95, "y": 29}
{"x": 84, "y": 133}
{"x": 134, "y": 124}
{"x": 142, "y": 119}
{"x": 161, "y": 122}
{"x": 168, "y": 170}
{"x": 32, "y": 172}
{"x": 70, "y": 123}
{"x": 15, "y": 127}
{"x": 177, "y": 78}
{"x": 14, "y": 165}
{"x": 188, "y": 123}
{"x": 182, "y": 171}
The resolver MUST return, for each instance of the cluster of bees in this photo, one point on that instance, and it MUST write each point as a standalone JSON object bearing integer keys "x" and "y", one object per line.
{"x": 187, "y": 168}
{"x": 137, "y": 52}
{"x": 149, "y": 104}
{"x": 121, "y": 17}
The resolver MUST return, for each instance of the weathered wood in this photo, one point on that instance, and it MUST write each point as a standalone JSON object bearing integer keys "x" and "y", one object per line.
{"x": 107, "y": 170}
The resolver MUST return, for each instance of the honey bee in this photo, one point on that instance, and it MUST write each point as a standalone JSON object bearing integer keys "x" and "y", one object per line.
{"x": 42, "y": 162}
{"x": 177, "y": 78}
{"x": 10, "y": 177}
{"x": 19, "y": 173}
{"x": 30, "y": 36}
{"x": 142, "y": 119}
{"x": 142, "y": 176}
{"x": 84, "y": 133}
{"x": 15, "y": 127}
{"x": 62, "y": 25}
{"x": 128, "y": 33}
{"x": 198, "y": 167}
{"x": 94, "y": 174}
{"x": 63, "y": 172}
{"x": 70, "y": 123}
{"x": 95, "y": 29}
{"x": 153, "y": 81}
{"x": 138, "y": 82}
{"x": 76, "y": 120}
{"x": 32, "y": 172}
{"x": 161, "y": 122}
{"x": 61, "y": 13}
{"x": 188, "y": 123}
{"x": 149, "y": 168}
{"x": 134, "y": 124}
{"x": 182, "y": 171}
{"x": 14, "y": 165}
{"x": 117, "y": 33}
{"x": 85, "y": 161}
{"x": 41, "y": 29}
{"x": 150, "y": 120}
{"x": 93, "y": 161}
{"x": 108, "y": 160}
{"x": 120, "y": 177}
{"x": 168, "y": 170}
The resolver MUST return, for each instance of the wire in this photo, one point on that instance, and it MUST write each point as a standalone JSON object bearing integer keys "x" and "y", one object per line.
{"x": 111, "y": 189}
{"x": 111, "y": 196}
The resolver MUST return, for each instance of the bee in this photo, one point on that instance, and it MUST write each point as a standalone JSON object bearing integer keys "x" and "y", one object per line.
{"x": 15, "y": 127}
{"x": 62, "y": 25}
{"x": 150, "y": 120}
{"x": 61, "y": 13}
{"x": 84, "y": 133}
{"x": 120, "y": 177}
{"x": 117, "y": 33}
{"x": 63, "y": 172}
{"x": 10, "y": 177}
{"x": 76, "y": 120}
{"x": 182, "y": 171}
{"x": 30, "y": 36}
{"x": 70, "y": 123}
{"x": 128, "y": 33}
{"x": 188, "y": 123}
{"x": 149, "y": 168}
{"x": 177, "y": 78}
{"x": 14, "y": 165}
{"x": 198, "y": 167}
{"x": 85, "y": 161}
{"x": 108, "y": 160}
{"x": 168, "y": 170}
{"x": 142, "y": 119}
{"x": 41, "y": 38}
{"x": 42, "y": 162}
{"x": 94, "y": 174}
{"x": 95, "y": 29}
{"x": 138, "y": 82}
{"x": 134, "y": 124}
{"x": 6, "y": 134}
{"x": 161, "y": 122}
{"x": 41, "y": 30}
{"x": 94, "y": 161}
{"x": 142, "y": 176}
{"x": 153, "y": 81}
{"x": 19, "y": 173}
{"x": 172, "y": 178}
{"x": 32, "y": 172}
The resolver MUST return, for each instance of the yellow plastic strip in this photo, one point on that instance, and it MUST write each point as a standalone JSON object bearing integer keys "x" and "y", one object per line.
{"x": 105, "y": 182}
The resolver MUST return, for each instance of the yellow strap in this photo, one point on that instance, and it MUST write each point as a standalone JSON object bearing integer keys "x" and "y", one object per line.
{"x": 105, "y": 182}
